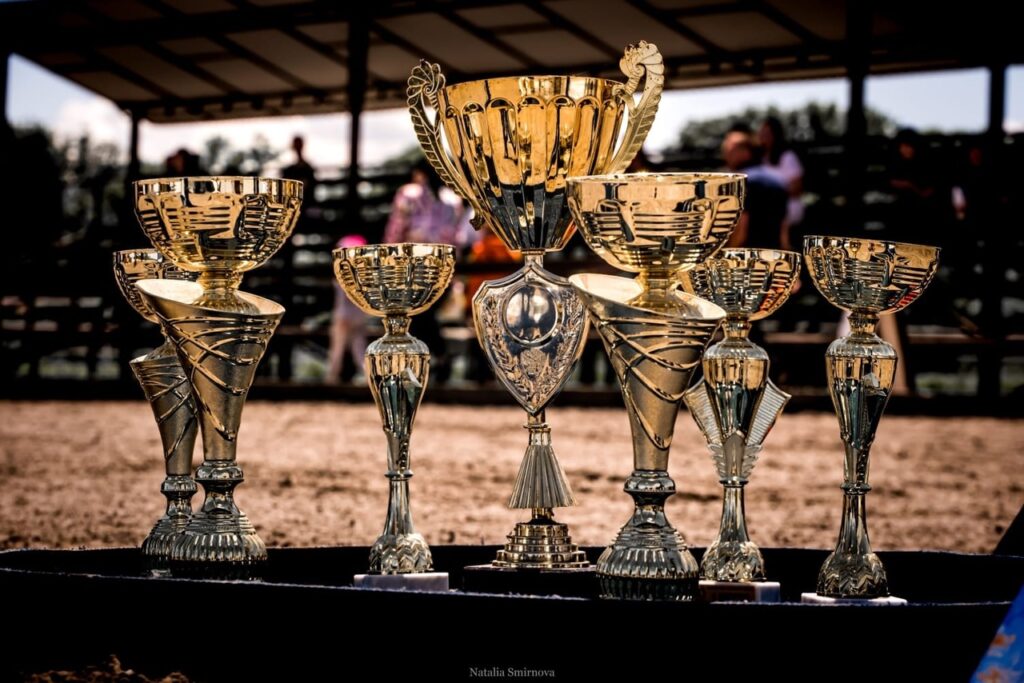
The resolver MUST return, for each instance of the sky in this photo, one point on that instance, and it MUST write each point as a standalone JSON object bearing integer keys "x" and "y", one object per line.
{"x": 951, "y": 101}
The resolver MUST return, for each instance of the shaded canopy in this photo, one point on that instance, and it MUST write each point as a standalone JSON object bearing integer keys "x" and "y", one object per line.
{"x": 183, "y": 60}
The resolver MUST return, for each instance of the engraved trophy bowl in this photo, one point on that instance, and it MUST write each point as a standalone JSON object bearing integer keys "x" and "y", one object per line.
{"x": 657, "y": 224}
{"x": 750, "y": 284}
{"x": 395, "y": 279}
{"x": 867, "y": 278}
{"x": 218, "y": 227}
{"x": 132, "y": 265}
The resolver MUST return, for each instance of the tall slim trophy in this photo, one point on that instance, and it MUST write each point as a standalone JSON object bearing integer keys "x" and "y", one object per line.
{"x": 868, "y": 278}
{"x": 513, "y": 142}
{"x": 218, "y": 227}
{"x": 167, "y": 389}
{"x": 395, "y": 282}
{"x": 655, "y": 225}
{"x": 736, "y": 404}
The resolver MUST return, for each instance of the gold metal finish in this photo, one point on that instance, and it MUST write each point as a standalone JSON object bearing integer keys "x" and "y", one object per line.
{"x": 736, "y": 404}
{"x": 653, "y": 353}
{"x": 514, "y": 142}
{"x": 657, "y": 224}
{"x": 394, "y": 282}
{"x": 868, "y": 278}
{"x": 218, "y": 227}
{"x": 167, "y": 389}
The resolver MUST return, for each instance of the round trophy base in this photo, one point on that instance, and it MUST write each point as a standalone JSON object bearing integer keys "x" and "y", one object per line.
{"x": 648, "y": 564}
{"x": 157, "y": 546}
{"x": 853, "y": 575}
{"x": 732, "y": 561}
{"x": 218, "y": 546}
{"x": 540, "y": 546}
{"x": 400, "y": 554}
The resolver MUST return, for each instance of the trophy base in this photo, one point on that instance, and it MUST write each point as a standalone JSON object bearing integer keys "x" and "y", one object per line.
{"x": 815, "y": 599}
{"x": 433, "y": 582}
{"x": 157, "y": 546}
{"x": 573, "y": 582}
{"x": 218, "y": 547}
{"x": 544, "y": 545}
{"x": 623, "y": 573}
{"x": 740, "y": 591}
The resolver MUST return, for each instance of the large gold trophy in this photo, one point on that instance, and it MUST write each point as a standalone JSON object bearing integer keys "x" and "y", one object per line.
{"x": 514, "y": 141}
{"x": 867, "y": 278}
{"x": 655, "y": 225}
{"x": 218, "y": 227}
{"x": 167, "y": 389}
{"x": 395, "y": 282}
{"x": 736, "y": 404}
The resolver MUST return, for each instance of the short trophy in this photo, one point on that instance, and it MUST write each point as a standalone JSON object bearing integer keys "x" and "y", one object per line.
{"x": 218, "y": 227}
{"x": 655, "y": 225}
{"x": 396, "y": 282}
{"x": 867, "y": 278}
{"x": 735, "y": 405}
{"x": 513, "y": 143}
{"x": 167, "y": 389}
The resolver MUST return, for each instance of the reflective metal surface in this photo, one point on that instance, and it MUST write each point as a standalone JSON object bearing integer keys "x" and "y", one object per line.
{"x": 653, "y": 353}
{"x": 735, "y": 404}
{"x": 169, "y": 394}
{"x": 512, "y": 145}
{"x": 396, "y": 281}
{"x": 657, "y": 224}
{"x": 867, "y": 278}
{"x": 218, "y": 226}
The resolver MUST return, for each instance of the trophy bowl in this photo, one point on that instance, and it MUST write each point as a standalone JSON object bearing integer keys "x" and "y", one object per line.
{"x": 747, "y": 283}
{"x": 515, "y": 140}
{"x": 218, "y": 226}
{"x": 132, "y": 265}
{"x": 869, "y": 276}
{"x": 656, "y": 224}
{"x": 395, "y": 279}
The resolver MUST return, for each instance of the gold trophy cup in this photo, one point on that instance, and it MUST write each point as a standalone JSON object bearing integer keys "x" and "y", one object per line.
{"x": 167, "y": 389}
{"x": 867, "y": 278}
{"x": 655, "y": 225}
{"x": 514, "y": 142}
{"x": 736, "y": 404}
{"x": 395, "y": 282}
{"x": 218, "y": 227}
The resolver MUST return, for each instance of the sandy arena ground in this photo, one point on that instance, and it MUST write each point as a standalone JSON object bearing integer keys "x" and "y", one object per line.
{"x": 88, "y": 474}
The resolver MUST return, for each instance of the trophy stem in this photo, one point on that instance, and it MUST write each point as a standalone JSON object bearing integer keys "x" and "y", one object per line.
{"x": 167, "y": 388}
{"x": 220, "y": 292}
{"x": 398, "y": 365}
{"x": 657, "y": 286}
{"x": 861, "y": 369}
{"x": 733, "y": 556}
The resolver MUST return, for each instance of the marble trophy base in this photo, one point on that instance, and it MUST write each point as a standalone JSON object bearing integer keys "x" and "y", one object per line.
{"x": 576, "y": 582}
{"x": 740, "y": 591}
{"x": 432, "y": 582}
{"x": 815, "y": 599}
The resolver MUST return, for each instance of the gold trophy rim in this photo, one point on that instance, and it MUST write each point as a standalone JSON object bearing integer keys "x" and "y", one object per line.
{"x": 290, "y": 187}
{"x": 534, "y": 77}
{"x": 708, "y": 311}
{"x": 655, "y": 177}
{"x": 188, "y": 291}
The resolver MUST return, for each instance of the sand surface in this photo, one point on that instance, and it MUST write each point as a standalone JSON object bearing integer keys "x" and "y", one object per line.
{"x": 88, "y": 474}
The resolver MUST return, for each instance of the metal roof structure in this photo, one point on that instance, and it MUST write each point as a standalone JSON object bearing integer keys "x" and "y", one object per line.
{"x": 183, "y": 60}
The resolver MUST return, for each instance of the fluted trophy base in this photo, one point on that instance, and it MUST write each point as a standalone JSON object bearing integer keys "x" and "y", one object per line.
{"x": 649, "y": 559}
{"x": 219, "y": 546}
{"x": 732, "y": 561}
{"x": 853, "y": 575}
{"x": 157, "y": 546}
{"x": 400, "y": 554}
{"x": 541, "y": 543}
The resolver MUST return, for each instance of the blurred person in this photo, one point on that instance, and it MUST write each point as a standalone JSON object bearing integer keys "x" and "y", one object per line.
{"x": 763, "y": 219}
{"x": 301, "y": 170}
{"x": 922, "y": 199}
{"x": 348, "y": 327}
{"x": 782, "y": 163}
{"x": 426, "y": 211}
{"x": 183, "y": 163}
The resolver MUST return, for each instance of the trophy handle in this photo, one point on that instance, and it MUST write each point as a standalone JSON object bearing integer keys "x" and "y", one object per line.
{"x": 424, "y": 84}
{"x": 639, "y": 61}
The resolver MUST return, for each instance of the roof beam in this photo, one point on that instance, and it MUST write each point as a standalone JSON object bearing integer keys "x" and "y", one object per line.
{"x": 672, "y": 21}
{"x": 784, "y": 20}
{"x": 561, "y": 22}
